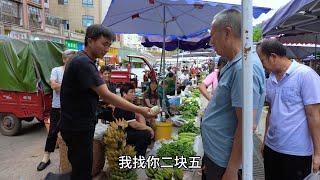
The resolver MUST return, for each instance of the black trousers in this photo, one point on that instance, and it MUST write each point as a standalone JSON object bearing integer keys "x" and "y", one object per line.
{"x": 140, "y": 139}
{"x": 278, "y": 166}
{"x": 80, "y": 153}
{"x": 53, "y": 130}
{"x": 212, "y": 171}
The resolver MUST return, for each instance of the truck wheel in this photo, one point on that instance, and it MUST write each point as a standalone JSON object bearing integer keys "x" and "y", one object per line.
{"x": 10, "y": 125}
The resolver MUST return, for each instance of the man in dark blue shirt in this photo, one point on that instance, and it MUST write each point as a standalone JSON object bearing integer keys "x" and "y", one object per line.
{"x": 80, "y": 91}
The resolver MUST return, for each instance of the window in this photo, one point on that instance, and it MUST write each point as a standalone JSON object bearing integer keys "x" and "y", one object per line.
{"x": 63, "y": 2}
{"x": 10, "y": 12}
{"x": 65, "y": 24}
{"x": 87, "y": 2}
{"x": 34, "y": 16}
{"x": 87, "y": 20}
{"x": 36, "y": 1}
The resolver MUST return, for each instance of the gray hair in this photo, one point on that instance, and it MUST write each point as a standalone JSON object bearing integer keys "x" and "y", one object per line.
{"x": 229, "y": 18}
{"x": 68, "y": 53}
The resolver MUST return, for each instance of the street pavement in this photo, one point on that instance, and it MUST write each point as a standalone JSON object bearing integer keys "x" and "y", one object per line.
{"x": 20, "y": 155}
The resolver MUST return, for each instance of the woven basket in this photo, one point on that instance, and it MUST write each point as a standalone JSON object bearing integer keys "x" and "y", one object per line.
{"x": 98, "y": 157}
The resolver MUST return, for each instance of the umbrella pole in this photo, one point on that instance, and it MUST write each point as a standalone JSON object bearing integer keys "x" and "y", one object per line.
{"x": 247, "y": 90}
{"x": 315, "y": 48}
{"x": 163, "y": 60}
{"x": 176, "y": 83}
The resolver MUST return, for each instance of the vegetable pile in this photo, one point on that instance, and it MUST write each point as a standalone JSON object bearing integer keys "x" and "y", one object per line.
{"x": 189, "y": 128}
{"x": 190, "y": 107}
{"x": 173, "y": 149}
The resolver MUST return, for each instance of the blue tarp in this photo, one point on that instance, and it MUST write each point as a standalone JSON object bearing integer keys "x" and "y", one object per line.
{"x": 297, "y": 22}
{"x": 190, "y": 43}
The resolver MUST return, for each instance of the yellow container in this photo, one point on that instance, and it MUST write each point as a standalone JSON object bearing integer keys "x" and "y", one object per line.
{"x": 163, "y": 130}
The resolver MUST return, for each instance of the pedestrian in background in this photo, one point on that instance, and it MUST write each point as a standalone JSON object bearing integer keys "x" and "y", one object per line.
{"x": 55, "y": 83}
{"x": 212, "y": 79}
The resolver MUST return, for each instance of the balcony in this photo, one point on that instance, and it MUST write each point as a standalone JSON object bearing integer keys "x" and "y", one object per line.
{"x": 34, "y": 24}
{"x": 7, "y": 19}
{"x": 35, "y": 3}
{"x": 34, "y": 21}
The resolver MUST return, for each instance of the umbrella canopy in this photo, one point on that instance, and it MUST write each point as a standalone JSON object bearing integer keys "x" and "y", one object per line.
{"x": 180, "y": 17}
{"x": 187, "y": 43}
{"x": 309, "y": 58}
{"x": 165, "y": 17}
{"x": 298, "y": 17}
{"x": 301, "y": 51}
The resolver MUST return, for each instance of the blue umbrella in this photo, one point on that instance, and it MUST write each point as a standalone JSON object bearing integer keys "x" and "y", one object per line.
{"x": 295, "y": 21}
{"x": 187, "y": 43}
{"x": 180, "y": 17}
{"x": 165, "y": 17}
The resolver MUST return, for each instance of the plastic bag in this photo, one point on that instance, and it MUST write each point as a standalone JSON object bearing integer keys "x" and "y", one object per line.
{"x": 100, "y": 130}
{"x": 313, "y": 176}
{"x": 198, "y": 146}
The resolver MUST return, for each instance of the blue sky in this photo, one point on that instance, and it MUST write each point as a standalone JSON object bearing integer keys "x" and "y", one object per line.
{"x": 273, "y": 4}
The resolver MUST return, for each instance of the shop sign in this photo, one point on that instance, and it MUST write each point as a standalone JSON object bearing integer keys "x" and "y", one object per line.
{"x": 18, "y": 35}
{"x": 74, "y": 45}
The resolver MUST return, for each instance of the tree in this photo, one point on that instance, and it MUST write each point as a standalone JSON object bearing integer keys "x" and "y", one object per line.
{"x": 257, "y": 33}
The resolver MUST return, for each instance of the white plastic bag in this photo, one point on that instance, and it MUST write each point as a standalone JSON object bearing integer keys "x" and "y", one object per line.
{"x": 198, "y": 146}
{"x": 313, "y": 176}
{"x": 100, "y": 130}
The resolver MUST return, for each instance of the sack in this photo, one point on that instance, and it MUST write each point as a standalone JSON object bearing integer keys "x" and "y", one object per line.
{"x": 313, "y": 176}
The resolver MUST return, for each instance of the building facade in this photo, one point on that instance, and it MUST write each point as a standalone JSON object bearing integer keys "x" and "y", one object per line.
{"x": 63, "y": 21}
{"x": 76, "y": 16}
{"x": 79, "y": 14}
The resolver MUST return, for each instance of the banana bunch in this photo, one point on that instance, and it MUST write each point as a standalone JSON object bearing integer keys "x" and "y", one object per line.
{"x": 119, "y": 124}
{"x": 115, "y": 139}
{"x": 178, "y": 174}
{"x": 164, "y": 174}
{"x": 128, "y": 151}
{"x": 150, "y": 172}
{"x": 116, "y": 146}
{"x": 113, "y": 158}
{"x": 115, "y": 136}
{"x": 123, "y": 175}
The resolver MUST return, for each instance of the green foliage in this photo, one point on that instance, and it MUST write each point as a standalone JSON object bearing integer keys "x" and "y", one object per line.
{"x": 189, "y": 128}
{"x": 196, "y": 93}
{"x": 176, "y": 148}
{"x": 190, "y": 106}
{"x": 257, "y": 34}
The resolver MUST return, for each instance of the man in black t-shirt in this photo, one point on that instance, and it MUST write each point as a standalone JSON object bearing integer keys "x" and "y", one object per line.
{"x": 80, "y": 91}
{"x": 138, "y": 133}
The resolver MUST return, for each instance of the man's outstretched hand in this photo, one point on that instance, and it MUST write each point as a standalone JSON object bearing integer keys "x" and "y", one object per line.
{"x": 145, "y": 111}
